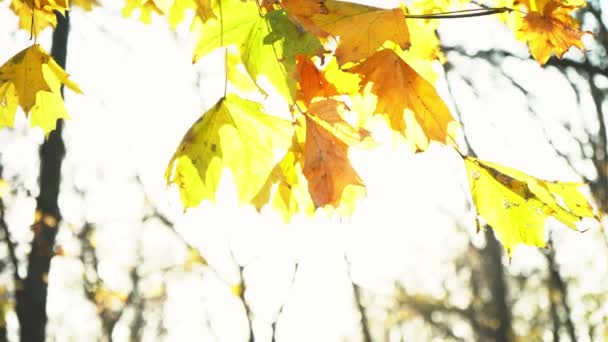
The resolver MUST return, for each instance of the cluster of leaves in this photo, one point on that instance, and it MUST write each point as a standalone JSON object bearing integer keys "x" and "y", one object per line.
{"x": 342, "y": 68}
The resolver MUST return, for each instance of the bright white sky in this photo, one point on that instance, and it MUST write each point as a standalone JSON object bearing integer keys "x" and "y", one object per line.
{"x": 140, "y": 97}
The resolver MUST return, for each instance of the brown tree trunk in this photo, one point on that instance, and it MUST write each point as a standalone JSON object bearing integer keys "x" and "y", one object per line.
{"x": 31, "y": 295}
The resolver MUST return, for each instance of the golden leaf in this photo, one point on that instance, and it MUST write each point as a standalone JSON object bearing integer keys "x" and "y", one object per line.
{"x": 552, "y": 30}
{"x": 516, "y": 205}
{"x": 410, "y": 103}
{"x": 35, "y": 78}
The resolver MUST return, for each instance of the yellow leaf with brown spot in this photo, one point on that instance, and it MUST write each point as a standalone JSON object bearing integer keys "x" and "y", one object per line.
{"x": 237, "y": 135}
{"x": 551, "y": 30}
{"x": 409, "y": 102}
{"x": 516, "y": 205}
{"x": 35, "y": 79}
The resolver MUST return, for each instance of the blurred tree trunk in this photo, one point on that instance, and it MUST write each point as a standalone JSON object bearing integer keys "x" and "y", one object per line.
{"x": 31, "y": 295}
{"x": 498, "y": 307}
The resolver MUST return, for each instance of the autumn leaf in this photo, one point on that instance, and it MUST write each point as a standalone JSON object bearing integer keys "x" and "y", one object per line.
{"x": 235, "y": 134}
{"x": 267, "y": 43}
{"x": 551, "y": 30}
{"x": 86, "y": 5}
{"x": 411, "y": 104}
{"x": 174, "y": 10}
{"x": 35, "y": 79}
{"x": 8, "y": 104}
{"x": 289, "y": 42}
{"x": 145, "y": 8}
{"x": 311, "y": 81}
{"x": 203, "y": 11}
{"x": 424, "y": 41}
{"x": 301, "y": 12}
{"x": 362, "y": 29}
{"x": 516, "y": 205}
{"x": 329, "y": 114}
{"x": 326, "y": 164}
{"x": 286, "y": 189}
{"x": 237, "y": 74}
{"x": 43, "y": 12}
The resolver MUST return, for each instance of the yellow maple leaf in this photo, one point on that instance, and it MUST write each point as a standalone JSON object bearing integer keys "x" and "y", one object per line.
{"x": 516, "y": 205}
{"x": 8, "y": 104}
{"x": 203, "y": 11}
{"x": 146, "y": 8}
{"x": 286, "y": 189}
{"x": 362, "y": 29}
{"x": 86, "y": 5}
{"x": 551, "y": 30}
{"x": 410, "y": 103}
{"x": 42, "y": 10}
{"x": 235, "y": 134}
{"x": 35, "y": 79}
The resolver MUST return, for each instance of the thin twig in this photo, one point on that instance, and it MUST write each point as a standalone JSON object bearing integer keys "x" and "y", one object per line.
{"x": 10, "y": 245}
{"x": 363, "y": 319}
{"x": 468, "y": 13}
{"x": 274, "y": 324}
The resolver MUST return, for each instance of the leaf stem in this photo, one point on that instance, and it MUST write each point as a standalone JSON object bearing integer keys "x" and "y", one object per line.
{"x": 32, "y": 26}
{"x": 225, "y": 48}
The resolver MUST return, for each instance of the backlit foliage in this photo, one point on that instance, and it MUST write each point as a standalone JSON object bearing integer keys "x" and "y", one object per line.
{"x": 338, "y": 65}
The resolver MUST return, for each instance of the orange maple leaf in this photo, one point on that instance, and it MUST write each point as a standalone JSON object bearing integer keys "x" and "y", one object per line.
{"x": 362, "y": 29}
{"x": 326, "y": 164}
{"x": 551, "y": 31}
{"x": 300, "y": 12}
{"x": 410, "y": 102}
{"x": 312, "y": 82}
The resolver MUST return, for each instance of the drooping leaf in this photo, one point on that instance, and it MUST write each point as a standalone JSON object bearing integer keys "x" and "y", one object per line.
{"x": 326, "y": 164}
{"x": 411, "y": 104}
{"x": 235, "y": 134}
{"x": 551, "y": 30}
{"x": 516, "y": 205}
{"x": 362, "y": 29}
{"x": 35, "y": 79}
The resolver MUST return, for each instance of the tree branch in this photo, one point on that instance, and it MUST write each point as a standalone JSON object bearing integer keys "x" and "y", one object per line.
{"x": 32, "y": 296}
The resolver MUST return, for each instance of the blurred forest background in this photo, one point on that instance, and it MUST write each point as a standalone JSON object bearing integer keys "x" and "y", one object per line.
{"x": 123, "y": 262}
